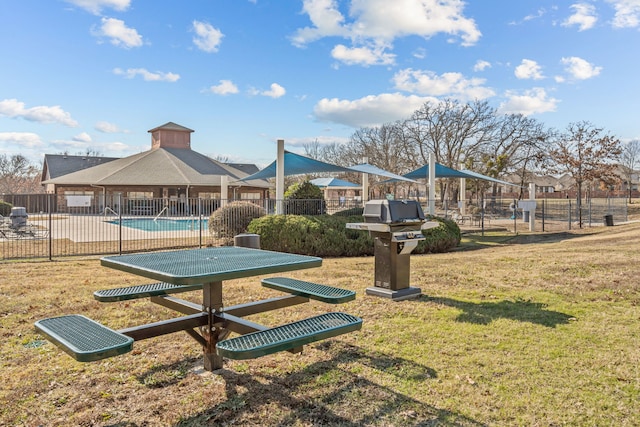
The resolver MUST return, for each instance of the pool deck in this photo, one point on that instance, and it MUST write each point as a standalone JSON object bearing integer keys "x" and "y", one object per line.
{"x": 92, "y": 228}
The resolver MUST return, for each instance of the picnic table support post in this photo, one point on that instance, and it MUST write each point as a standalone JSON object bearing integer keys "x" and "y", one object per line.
{"x": 212, "y": 304}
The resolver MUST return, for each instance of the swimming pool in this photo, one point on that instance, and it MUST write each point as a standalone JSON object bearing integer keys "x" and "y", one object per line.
{"x": 162, "y": 224}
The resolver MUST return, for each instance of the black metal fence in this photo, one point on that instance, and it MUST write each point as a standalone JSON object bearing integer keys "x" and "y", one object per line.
{"x": 57, "y": 229}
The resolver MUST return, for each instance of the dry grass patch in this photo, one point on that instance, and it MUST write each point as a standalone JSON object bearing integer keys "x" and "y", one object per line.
{"x": 525, "y": 330}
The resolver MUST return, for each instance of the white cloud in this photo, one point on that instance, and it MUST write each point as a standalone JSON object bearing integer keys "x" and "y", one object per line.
{"x": 580, "y": 69}
{"x": 372, "y": 110}
{"x": 362, "y": 55}
{"x": 82, "y": 137}
{"x": 420, "y": 53}
{"x": 106, "y": 127}
{"x": 119, "y": 33}
{"x": 225, "y": 87}
{"x": 42, "y": 114}
{"x": 275, "y": 91}
{"x": 96, "y": 6}
{"x": 207, "y": 37}
{"x": 380, "y": 22}
{"x": 326, "y": 19}
{"x": 627, "y": 13}
{"x": 116, "y": 146}
{"x": 21, "y": 139}
{"x": 528, "y": 69}
{"x": 448, "y": 84}
{"x": 532, "y": 101}
{"x": 158, "y": 76}
{"x": 584, "y": 16}
{"x": 539, "y": 14}
{"x": 481, "y": 65}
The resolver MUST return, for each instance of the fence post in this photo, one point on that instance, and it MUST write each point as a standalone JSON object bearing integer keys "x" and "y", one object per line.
{"x": 50, "y": 229}
{"x": 200, "y": 221}
{"x": 569, "y": 214}
{"x": 120, "y": 224}
{"x": 515, "y": 216}
{"x": 543, "y": 205}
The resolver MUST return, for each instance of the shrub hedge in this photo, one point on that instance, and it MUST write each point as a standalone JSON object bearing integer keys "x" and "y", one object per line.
{"x": 5, "y": 208}
{"x": 328, "y": 236}
{"x": 233, "y": 219}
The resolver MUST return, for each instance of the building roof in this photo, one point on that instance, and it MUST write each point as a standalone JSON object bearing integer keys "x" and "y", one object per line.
{"x": 56, "y": 165}
{"x": 171, "y": 126}
{"x": 157, "y": 167}
{"x": 248, "y": 168}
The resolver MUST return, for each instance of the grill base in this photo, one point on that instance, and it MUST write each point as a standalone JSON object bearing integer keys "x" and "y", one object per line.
{"x": 400, "y": 295}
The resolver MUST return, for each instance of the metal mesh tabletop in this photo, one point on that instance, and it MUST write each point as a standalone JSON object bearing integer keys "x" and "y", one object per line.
{"x": 210, "y": 264}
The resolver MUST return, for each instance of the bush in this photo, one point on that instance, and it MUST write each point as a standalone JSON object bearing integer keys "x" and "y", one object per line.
{"x": 233, "y": 219}
{"x": 350, "y": 212}
{"x": 328, "y": 235}
{"x": 303, "y": 190}
{"x": 322, "y": 235}
{"x": 439, "y": 239}
{"x": 5, "y": 208}
{"x": 304, "y": 198}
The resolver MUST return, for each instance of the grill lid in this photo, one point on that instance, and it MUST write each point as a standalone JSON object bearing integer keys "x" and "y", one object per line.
{"x": 393, "y": 212}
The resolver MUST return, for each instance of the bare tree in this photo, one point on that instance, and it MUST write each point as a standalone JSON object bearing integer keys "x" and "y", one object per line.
{"x": 587, "y": 154}
{"x": 382, "y": 147}
{"x": 451, "y": 130}
{"x": 630, "y": 160}
{"x": 518, "y": 145}
{"x": 313, "y": 149}
{"x": 18, "y": 175}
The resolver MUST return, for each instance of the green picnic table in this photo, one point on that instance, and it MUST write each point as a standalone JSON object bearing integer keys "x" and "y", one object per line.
{"x": 209, "y": 323}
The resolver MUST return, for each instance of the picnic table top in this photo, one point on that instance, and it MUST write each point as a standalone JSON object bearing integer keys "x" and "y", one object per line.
{"x": 197, "y": 266}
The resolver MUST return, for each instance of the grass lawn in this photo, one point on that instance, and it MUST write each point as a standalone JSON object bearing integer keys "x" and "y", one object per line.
{"x": 527, "y": 330}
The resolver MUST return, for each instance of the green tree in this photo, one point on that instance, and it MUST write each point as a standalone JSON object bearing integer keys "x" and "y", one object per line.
{"x": 304, "y": 198}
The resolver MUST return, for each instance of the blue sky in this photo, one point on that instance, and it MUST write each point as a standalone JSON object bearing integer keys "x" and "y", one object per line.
{"x": 78, "y": 75}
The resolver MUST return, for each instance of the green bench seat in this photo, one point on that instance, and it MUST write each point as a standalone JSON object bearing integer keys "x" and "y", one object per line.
{"x": 311, "y": 290}
{"x": 84, "y": 339}
{"x": 142, "y": 291}
{"x": 289, "y": 336}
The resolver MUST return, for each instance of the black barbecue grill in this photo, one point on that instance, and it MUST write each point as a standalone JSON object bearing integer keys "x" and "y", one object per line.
{"x": 396, "y": 226}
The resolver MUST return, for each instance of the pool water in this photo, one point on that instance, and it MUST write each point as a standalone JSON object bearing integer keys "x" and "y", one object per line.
{"x": 162, "y": 224}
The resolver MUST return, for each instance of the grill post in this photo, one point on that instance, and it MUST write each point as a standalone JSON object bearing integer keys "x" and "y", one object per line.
{"x": 396, "y": 227}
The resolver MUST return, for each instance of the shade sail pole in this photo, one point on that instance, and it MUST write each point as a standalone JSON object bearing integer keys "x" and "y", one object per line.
{"x": 463, "y": 194}
{"x": 365, "y": 183}
{"x": 224, "y": 189}
{"x": 432, "y": 184}
{"x": 280, "y": 177}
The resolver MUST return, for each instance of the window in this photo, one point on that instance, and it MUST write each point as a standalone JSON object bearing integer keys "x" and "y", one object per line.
{"x": 140, "y": 194}
{"x": 209, "y": 196}
{"x": 78, "y": 193}
{"x": 250, "y": 196}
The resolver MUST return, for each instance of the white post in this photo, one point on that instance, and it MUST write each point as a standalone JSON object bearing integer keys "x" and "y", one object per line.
{"x": 432, "y": 184}
{"x": 280, "y": 178}
{"x": 532, "y": 212}
{"x": 462, "y": 197}
{"x": 224, "y": 189}
{"x": 365, "y": 184}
